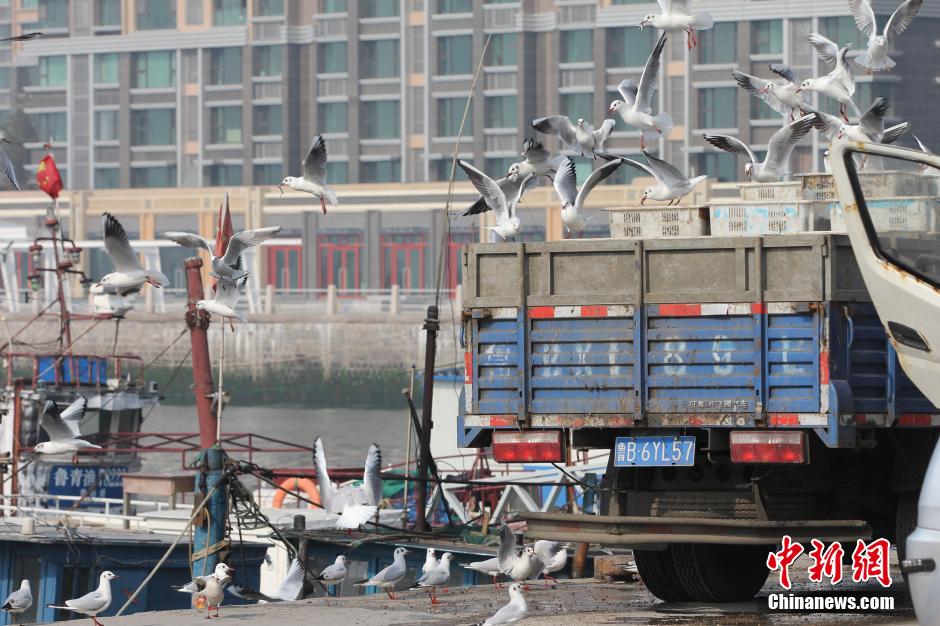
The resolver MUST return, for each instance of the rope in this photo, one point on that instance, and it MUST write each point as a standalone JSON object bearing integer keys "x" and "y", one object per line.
{"x": 218, "y": 546}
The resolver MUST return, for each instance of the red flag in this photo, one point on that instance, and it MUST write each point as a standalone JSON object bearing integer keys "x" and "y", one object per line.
{"x": 47, "y": 175}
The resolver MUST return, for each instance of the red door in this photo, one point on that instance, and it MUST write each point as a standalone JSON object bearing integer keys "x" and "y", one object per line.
{"x": 403, "y": 260}
{"x": 339, "y": 260}
{"x": 285, "y": 267}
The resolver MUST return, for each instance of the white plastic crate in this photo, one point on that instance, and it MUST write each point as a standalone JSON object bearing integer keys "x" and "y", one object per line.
{"x": 658, "y": 222}
{"x": 792, "y": 190}
{"x": 892, "y": 215}
{"x": 821, "y": 187}
{"x": 765, "y": 218}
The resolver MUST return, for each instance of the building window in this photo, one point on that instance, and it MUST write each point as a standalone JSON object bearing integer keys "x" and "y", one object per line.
{"x": 50, "y": 126}
{"x": 331, "y": 57}
{"x": 717, "y": 107}
{"x": 4, "y": 78}
{"x": 767, "y": 36}
{"x": 106, "y": 125}
{"x": 267, "y": 173}
{"x": 842, "y": 30}
{"x": 761, "y": 111}
{"x": 380, "y": 171}
{"x": 441, "y": 168}
{"x": 153, "y": 127}
{"x": 577, "y": 46}
{"x": 154, "y": 70}
{"x": 154, "y": 14}
{"x": 269, "y": 7}
{"x": 107, "y": 177}
{"x": 225, "y": 66}
{"x": 53, "y": 71}
{"x": 225, "y": 124}
{"x": 223, "y": 175}
{"x": 455, "y": 6}
{"x": 449, "y": 113}
{"x": 455, "y": 55}
{"x": 54, "y": 13}
{"x": 499, "y": 167}
{"x": 158, "y": 176}
{"x": 379, "y": 8}
{"x": 379, "y": 59}
{"x": 194, "y": 12}
{"x": 577, "y": 105}
{"x": 718, "y": 165}
{"x": 719, "y": 44}
{"x": 500, "y": 112}
{"x": 106, "y": 68}
{"x": 267, "y": 119}
{"x": 228, "y": 12}
{"x": 337, "y": 172}
{"x": 267, "y": 60}
{"x": 332, "y": 117}
{"x": 108, "y": 13}
{"x": 629, "y": 46}
{"x": 502, "y": 49}
{"x": 332, "y": 6}
{"x": 381, "y": 119}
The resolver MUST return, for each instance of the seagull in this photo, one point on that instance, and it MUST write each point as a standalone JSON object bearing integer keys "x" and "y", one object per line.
{"x": 226, "y": 298}
{"x": 222, "y": 573}
{"x": 209, "y": 593}
{"x": 554, "y": 557}
{"x": 437, "y": 577}
{"x": 572, "y": 200}
{"x": 515, "y": 611}
{"x": 24, "y": 37}
{"x": 314, "y": 179}
{"x": 538, "y": 161}
{"x": 19, "y": 601}
{"x": 876, "y": 58}
{"x": 774, "y": 166}
{"x": 518, "y": 567}
{"x": 94, "y": 602}
{"x": 388, "y": 577}
{"x": 6, "y": 165}
{"x": 870, "y": 127}
{"x": 290, "y": 589}
{"x": 62, "y": 428}
{"x": 354, "y": 505}
{"x": 636, "y": 107}
{"x": 129, "y": 275}
{"x": 430, "y": 562}
{"x": 490, "y": 567}
{"x": 671, "y": 184}
{"x": 837, "y": 84}
{"x": 527, "y": 566}
{"x": 580, "y": 137}
{"x": 511, "y": 188}
{"x": 781, "y": 96}
{"x": 507, "y": 222}
{"x": 676, "y": 16}
{"x": 228, "y": 265}
{"x": 334, "y": 574}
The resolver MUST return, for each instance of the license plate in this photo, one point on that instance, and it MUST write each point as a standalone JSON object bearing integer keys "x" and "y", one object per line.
{"x": 654, "y": 451}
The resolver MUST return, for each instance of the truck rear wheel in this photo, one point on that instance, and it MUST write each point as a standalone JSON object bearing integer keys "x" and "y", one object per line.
{"x": 703, "y": 572}
{"x": 905, "y": 520}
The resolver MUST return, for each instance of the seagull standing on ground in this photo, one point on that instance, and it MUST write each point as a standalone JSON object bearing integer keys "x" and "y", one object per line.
{"x": 19, "y": 601}
{"x": 572, "y": 200}
{"x": 774, "y": 166}
{"x": 671, "y": 184}
{"x": 515, "y": 611}
{"x": 226, "y": 299}
{"x": 222, "y": 573}
{"x": 507, "y": 222}
{"x": 490, "y": 567}
{"x": 229, "y": 264}
{"x": 437, "y": 577}
{"x": 636, "y": 107}
{"x": 875, "y": 58}
{"x": 354, "y": 505}
{"x": 676, "y": 16}
{"x": 554, "y": 557}
{"x": 314, "y": 179}
{"x": 837, "y": 84}
{"x": 430, "y": 562}
{"x": 94, "y": 602}
{"x": 129, "y": 275}
{"x": 63, "y": 429}
{"x": 389, "y": 577}
{"x": 580, "y": 137}
{"x": 781, "y": 96}
{"x": 334, "y": 574}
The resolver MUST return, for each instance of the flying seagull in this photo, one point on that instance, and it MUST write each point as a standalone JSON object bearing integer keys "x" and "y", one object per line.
{"x": 580, "y": 137}
{"x": 389, "y": 577}
{"x": 23, "y": 37}
{"x": 437, "y": 577}
{"x": 6, "y": 165}
{"x": 511, "y": 187}
{"x": 94, "y": 602}
{"x": 870, "y": 127}
{"x": 514, "y": 612}
{"x": 226, "y": 298}
{"x": 354, "y": 505}
{"x": 537, "y": 161}
{"x": 62, "y": 428}
{"x": 507, "y": 222}
{"x": 671, "y": 184}
{"x": 129, "y": 275}
{"x": 314, "y": 179}
{"x": 781, "y": 96}
{"x": 290, "y": 589}
{"x": 572, "y": 200}
{"x": 837, "y": 84}
{"x": 19, "y": 601}
{"x": 553, "y": 556}
{"x": 774, "y": 166}
{"x": 228, "y": 265}
{"x": 876, "y": 58}
{"x": 676, "y": 16}
{"x": 636, "y": 107}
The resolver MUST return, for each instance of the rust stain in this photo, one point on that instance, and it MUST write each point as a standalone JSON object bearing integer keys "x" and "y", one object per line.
{"x": 851, "y": 207}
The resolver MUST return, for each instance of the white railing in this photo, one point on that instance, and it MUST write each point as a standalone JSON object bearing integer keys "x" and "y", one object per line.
{"x": 87, "y": 510}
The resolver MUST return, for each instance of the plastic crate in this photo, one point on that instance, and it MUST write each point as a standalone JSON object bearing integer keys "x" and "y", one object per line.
{"x": 658, "y": 222}
{"x": 792, "y": 190}
{"x": 892, "y": 215}
{"x": 766, "y": 218}
{"x": 822, "y": 188}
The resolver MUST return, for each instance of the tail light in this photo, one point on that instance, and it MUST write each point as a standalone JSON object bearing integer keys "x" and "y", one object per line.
{"x": 750, "y": 446}
{"x": 533, "y": 446}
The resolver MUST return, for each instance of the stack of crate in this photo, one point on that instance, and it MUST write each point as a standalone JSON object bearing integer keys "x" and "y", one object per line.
{"x": 658, "y": 222}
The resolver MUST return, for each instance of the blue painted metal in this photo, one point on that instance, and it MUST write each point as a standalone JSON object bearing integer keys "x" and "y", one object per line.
{"x": 212, "y": 530}
{"x": 791, "y": 362}
{"x": 838, "y": 433}
{"x": 496, "y": 355}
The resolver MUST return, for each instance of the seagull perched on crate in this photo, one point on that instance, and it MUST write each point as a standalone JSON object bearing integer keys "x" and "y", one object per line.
{"x": 314, "y": 179}
{"x": 129, "y": 276}
{"x": 355, "y": 505}
{"x": 94, "y": 602}
{"x": 62, "y": 428}
{"x": 671, "y": 184}
{"x": 774, "y": 166}
{"x": 19, "y": 601}
{"x": 229, "y": 264}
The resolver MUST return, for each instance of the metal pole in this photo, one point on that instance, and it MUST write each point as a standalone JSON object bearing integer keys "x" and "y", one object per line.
{"x": 218, "y": 406}
{"x": 198, "y": 322}
{"x": 431, "y": 325}
{"x": 411, "y": 391}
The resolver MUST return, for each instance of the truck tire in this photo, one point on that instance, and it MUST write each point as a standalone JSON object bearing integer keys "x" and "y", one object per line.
{"x": 704, "y": 572}
{"x": 905, "y": 520}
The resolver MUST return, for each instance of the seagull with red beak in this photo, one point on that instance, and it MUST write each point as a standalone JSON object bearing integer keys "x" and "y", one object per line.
{"x": 314, "y": 179}
{"x": 671, "y": 184}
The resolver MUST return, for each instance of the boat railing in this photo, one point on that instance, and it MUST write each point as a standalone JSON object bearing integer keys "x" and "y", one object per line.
{"x": 84, "y": 509}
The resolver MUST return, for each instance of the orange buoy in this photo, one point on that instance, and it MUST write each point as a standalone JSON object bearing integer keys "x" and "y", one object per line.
{"x": 296, "y": 484}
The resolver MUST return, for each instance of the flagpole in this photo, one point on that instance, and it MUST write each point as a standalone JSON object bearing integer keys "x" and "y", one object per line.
{"x": 218, "y": 408}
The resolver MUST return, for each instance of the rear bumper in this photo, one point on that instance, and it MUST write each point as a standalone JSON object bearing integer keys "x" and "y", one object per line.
{"x": 924, "y": 545}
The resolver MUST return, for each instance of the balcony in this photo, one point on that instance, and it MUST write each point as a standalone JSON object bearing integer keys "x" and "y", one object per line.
{"x": 502, "y": 16}
{"x": 501, "y": 143}
{"x": 577, "y": 13}
{"x": 266, "y": 91}
{"x": 331, "y": 87}
{"x": 577, "y": 77}
{"x": 500, "y": 80}
{"x": 273, "y": 32}
{"x": 330, "y": 27}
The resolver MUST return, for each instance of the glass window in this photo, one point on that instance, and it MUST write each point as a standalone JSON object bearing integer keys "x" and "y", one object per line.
{"x": 53, "y": 71}
{"x": 153, "y": 127}
{"x": 842, "y": 30}
{"x": 154, "y": 14}
{"x": 378, "y": 8}
{"x": 449, "y": 113}
{"x": 153, "y": 69}
{"x": 332, "y": 6}
{"x": 331, "y": 57}
{"x": 629, "y": 46}
{"x": 194, "y": 12}
{"x": 54, "y": 13}
{"x": 718, "y": 165}
{"x": 502, "y": 49}
{"x": 50, "y": 126}
{"x": 267, "y": 119}
{"x": 332, "y": 117}
{"x": 4, "y": 78}
{"x": 381, "y": 119}
{"x": 267, "y": 60}
{"x": 337, "y": 172}
{"x": 107, "y": 178}
{"x": 500, "y": 112}
{"x": 455, "y": 6}
{"x": 106, "y": 68}
{"x": 577, "y": 46}
{"x": 717, "y": 107}
{"x": 455, "y": 55}
{"x": 379, "y": 58}
{"x": 225, "y": 124}
{"x": 577, "y": 105}
{"x": 158, "y": 176}
{"x": 225, "y": 66}
{"x": 380, "y": 171}
{"x": 441, "y": 168}
{"x": 106, "y": 125}
{"x": 499, "y": 167}
{"x": 767, "y": 36}
{"x": 760, "y": 110}
{"x": 108, "y": 12}
{"x": 719, "y": 44}
{"x": 223, "y": 175}
{"x": 269, "y": 7}
{"x": 228, "y": 12}
{"x": 267, "y": 173}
